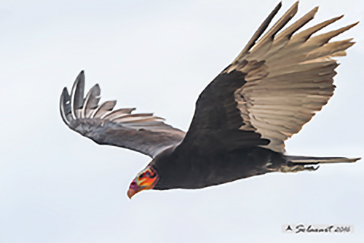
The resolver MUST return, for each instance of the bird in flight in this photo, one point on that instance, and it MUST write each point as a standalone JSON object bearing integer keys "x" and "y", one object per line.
{"x": 242, "y": 118}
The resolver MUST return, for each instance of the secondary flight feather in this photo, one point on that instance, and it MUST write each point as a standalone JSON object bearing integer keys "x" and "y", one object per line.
{"x": 242, "y": 118}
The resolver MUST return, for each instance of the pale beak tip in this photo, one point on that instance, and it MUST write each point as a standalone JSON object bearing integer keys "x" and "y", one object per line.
{"x": 131, "y": 193}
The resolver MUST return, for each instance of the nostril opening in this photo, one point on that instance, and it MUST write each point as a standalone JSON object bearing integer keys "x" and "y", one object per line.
{"x": 133, "y": 185}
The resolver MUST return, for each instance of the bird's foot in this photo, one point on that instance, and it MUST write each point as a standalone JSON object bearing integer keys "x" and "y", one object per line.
{"x": 296, "y": 168}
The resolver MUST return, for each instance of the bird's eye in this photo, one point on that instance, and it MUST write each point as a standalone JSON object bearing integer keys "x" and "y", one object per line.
{"x": 141, "y": 176}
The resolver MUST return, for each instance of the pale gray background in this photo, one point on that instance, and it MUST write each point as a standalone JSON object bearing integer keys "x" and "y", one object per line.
{"x": 56, "y": 186}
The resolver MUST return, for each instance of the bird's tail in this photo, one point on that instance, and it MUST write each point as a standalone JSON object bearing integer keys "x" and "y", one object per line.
{"x": 318, "y": 160}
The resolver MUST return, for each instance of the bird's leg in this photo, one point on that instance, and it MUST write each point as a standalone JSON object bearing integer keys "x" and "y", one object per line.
{"x": 290, "y": 167}
{"x": 296, "y": 168}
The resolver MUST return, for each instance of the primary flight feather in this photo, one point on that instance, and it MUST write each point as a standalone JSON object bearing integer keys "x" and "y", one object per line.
{"x": 242, "y": 118}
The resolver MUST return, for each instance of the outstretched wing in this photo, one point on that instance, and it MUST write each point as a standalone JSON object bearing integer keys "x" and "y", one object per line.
{"x": 141, "y": 132}
{"x": 275, "y": 85}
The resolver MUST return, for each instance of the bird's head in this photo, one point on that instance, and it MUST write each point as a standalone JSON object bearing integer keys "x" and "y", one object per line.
{"x": 146, "y": 179}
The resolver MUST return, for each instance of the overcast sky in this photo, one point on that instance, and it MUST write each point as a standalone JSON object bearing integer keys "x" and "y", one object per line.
{"x": 57, "y": 186}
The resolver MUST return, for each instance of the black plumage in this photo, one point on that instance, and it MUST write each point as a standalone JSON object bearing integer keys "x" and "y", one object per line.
{"x": 183, "y": 168}
{"x": 241, "y": 120}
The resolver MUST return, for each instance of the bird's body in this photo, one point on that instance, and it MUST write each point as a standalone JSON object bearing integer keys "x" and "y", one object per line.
{"x": 242, "y": 118}
{"x": 198, "y": 170}
{"x": 232, "y": 154}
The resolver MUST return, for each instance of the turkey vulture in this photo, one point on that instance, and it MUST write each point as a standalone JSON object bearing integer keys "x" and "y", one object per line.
{"x": 242, "y": 118}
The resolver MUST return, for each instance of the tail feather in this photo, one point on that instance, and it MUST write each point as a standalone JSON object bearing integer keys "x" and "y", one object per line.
{"x": 319, "y": 160}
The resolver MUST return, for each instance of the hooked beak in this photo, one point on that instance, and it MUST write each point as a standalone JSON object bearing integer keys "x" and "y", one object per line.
{"x": 145, "y": 180}
{"x": 131, "y": 193}
{"x": 133, "y": 189}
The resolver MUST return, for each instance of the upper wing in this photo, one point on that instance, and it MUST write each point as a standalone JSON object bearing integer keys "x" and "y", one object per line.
{"x": 275, "y": 85}
{"x": 144, "y": 133}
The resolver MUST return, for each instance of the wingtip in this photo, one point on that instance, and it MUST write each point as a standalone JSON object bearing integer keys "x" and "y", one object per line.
{"x": 278, "y": 6}
{"x": 65, "y": 91}
{"x": 276, "y": 9}
{"x": 348, "y": 27}
{"x": 294, "y": 8}
{"x": 77, "y": 94}
{"x": 64, "y": 96}
{"x": 64, "y": 105}
{"x": 81, "y": 75}
{"x": 80, "y": 78}
{"x": 356, "y": 23}
{"x": 259, "y": 32}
